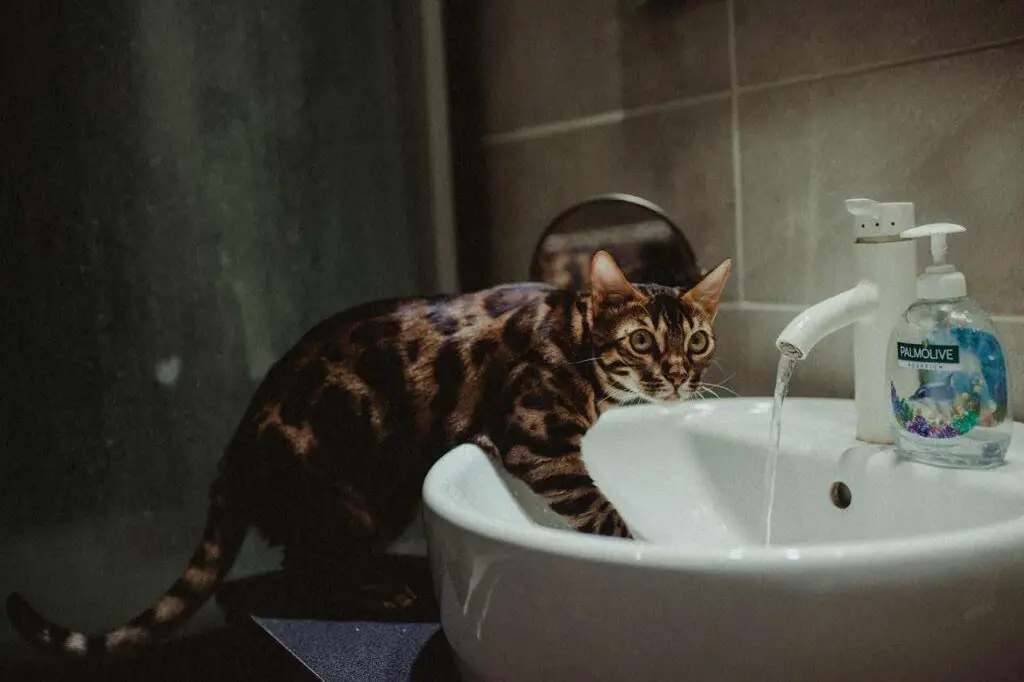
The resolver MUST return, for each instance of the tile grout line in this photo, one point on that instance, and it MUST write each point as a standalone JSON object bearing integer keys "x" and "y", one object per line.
{"x": 881, "y": 66}
{"x": 737, "y": 169}
{"x": 554, "y": 128}
{"x": 674, "y": 105}
{"x": 794, "y": 308}
{"x": 541, "y": 130}
{"x": 757, "y": 306}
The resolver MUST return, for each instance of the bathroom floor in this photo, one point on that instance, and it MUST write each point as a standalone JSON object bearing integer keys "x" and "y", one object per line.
{"x": 223, "y": 655}
{"x": 243, "y": 651}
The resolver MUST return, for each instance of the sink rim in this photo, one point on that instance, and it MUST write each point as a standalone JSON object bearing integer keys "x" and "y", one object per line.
{"x": 964, "y": 545}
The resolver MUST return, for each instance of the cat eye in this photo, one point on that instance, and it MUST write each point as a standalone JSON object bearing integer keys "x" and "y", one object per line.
{"x": 641, "y": 340}
{"x": 699, "y": 342}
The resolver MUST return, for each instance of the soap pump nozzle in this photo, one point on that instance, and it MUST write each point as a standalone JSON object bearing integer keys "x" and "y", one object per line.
{"x": 940, "y": 279}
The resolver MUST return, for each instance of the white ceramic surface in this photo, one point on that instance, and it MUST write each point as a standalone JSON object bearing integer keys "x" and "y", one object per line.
{"x": 887, "y": 274}
{"x": 920, "y": 578}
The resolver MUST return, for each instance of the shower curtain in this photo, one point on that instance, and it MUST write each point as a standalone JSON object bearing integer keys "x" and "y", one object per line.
{"x": 185, "y": 188}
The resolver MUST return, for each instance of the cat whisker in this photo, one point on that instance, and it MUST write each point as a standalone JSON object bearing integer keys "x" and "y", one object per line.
{"x": 722, "y": 382}
{"x": 646, "y": 398}
{"x": 709, "y": 392}
{"x": 633, "y": 397}
{"x": 621, "y": 397}
{"x": 716, "y": 363}
{"x": 720, "y": 387}
{"x": 580, "y": 362}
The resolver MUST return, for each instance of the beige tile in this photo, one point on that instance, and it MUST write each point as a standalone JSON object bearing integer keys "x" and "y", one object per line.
{"x": 677, "y": 51}
{"x": 944, "y": 134}
{"x": 544, "y": 61}
{"x": 747, "y": 358}
{"x": 1012, "y": 336}
{"x": 776, "y": 40}
{"x": 679, "y": 160}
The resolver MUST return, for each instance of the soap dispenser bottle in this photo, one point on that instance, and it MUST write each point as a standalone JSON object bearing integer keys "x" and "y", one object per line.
{"x": 947, "y": 375}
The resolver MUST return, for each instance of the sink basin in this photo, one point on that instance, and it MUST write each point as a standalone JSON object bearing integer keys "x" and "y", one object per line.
{"x": 920, "y": 577}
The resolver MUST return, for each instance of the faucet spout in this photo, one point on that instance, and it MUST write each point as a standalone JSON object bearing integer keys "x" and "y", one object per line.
{"x": 804, "y": 332}
{"x": 887, "y": 272}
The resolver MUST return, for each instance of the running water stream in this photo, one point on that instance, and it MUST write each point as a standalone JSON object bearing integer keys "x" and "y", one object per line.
{"x": 786, "y": 366}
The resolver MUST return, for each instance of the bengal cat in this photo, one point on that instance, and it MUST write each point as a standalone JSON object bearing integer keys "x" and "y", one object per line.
{"x": 330, "y": 455}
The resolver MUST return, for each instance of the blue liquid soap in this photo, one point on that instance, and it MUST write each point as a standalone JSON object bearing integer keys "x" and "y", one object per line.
{"x": 948, "y": 383}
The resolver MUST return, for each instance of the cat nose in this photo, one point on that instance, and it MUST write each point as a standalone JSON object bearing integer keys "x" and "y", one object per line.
{"x": 676, "y": 374}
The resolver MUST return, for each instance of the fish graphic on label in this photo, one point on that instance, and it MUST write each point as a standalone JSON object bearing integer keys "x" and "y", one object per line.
{"x": 938, "y": 391}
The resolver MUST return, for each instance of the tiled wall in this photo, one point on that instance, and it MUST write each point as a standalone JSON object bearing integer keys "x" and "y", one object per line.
{"x": 750, "y": 122}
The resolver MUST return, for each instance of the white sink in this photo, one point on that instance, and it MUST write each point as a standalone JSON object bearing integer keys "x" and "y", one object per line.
{"x": 921, "y": 577}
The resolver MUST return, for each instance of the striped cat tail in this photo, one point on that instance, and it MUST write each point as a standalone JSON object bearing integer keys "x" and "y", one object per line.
{"x": 209, "y": 564}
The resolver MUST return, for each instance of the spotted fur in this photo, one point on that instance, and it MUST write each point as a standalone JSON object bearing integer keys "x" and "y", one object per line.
{"x": 330, "y": 456}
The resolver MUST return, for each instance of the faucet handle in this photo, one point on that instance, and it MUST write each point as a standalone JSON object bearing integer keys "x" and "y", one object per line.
{"x": 864, "y": 207}
{"x": 875, "y": 221}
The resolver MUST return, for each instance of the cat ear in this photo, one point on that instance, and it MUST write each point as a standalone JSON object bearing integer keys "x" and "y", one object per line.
{"x": 709, "y": 290}
{"x": 607, "y": 279}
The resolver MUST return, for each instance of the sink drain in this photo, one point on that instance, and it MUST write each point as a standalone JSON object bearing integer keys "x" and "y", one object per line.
{"x": 840, "y": 495}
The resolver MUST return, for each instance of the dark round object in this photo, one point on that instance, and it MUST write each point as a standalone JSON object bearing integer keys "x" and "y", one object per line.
{"x": 645, "y": 242}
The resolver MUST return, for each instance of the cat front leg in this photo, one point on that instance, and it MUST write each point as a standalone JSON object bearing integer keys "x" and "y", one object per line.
{"x": 554, "y": 469}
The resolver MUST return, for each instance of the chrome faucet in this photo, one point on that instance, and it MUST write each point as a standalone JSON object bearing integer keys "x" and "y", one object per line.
{"x": 887, "y": 272}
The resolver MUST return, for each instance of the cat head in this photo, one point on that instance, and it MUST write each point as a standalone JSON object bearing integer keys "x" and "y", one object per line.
{"x": 651, "y": 342}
